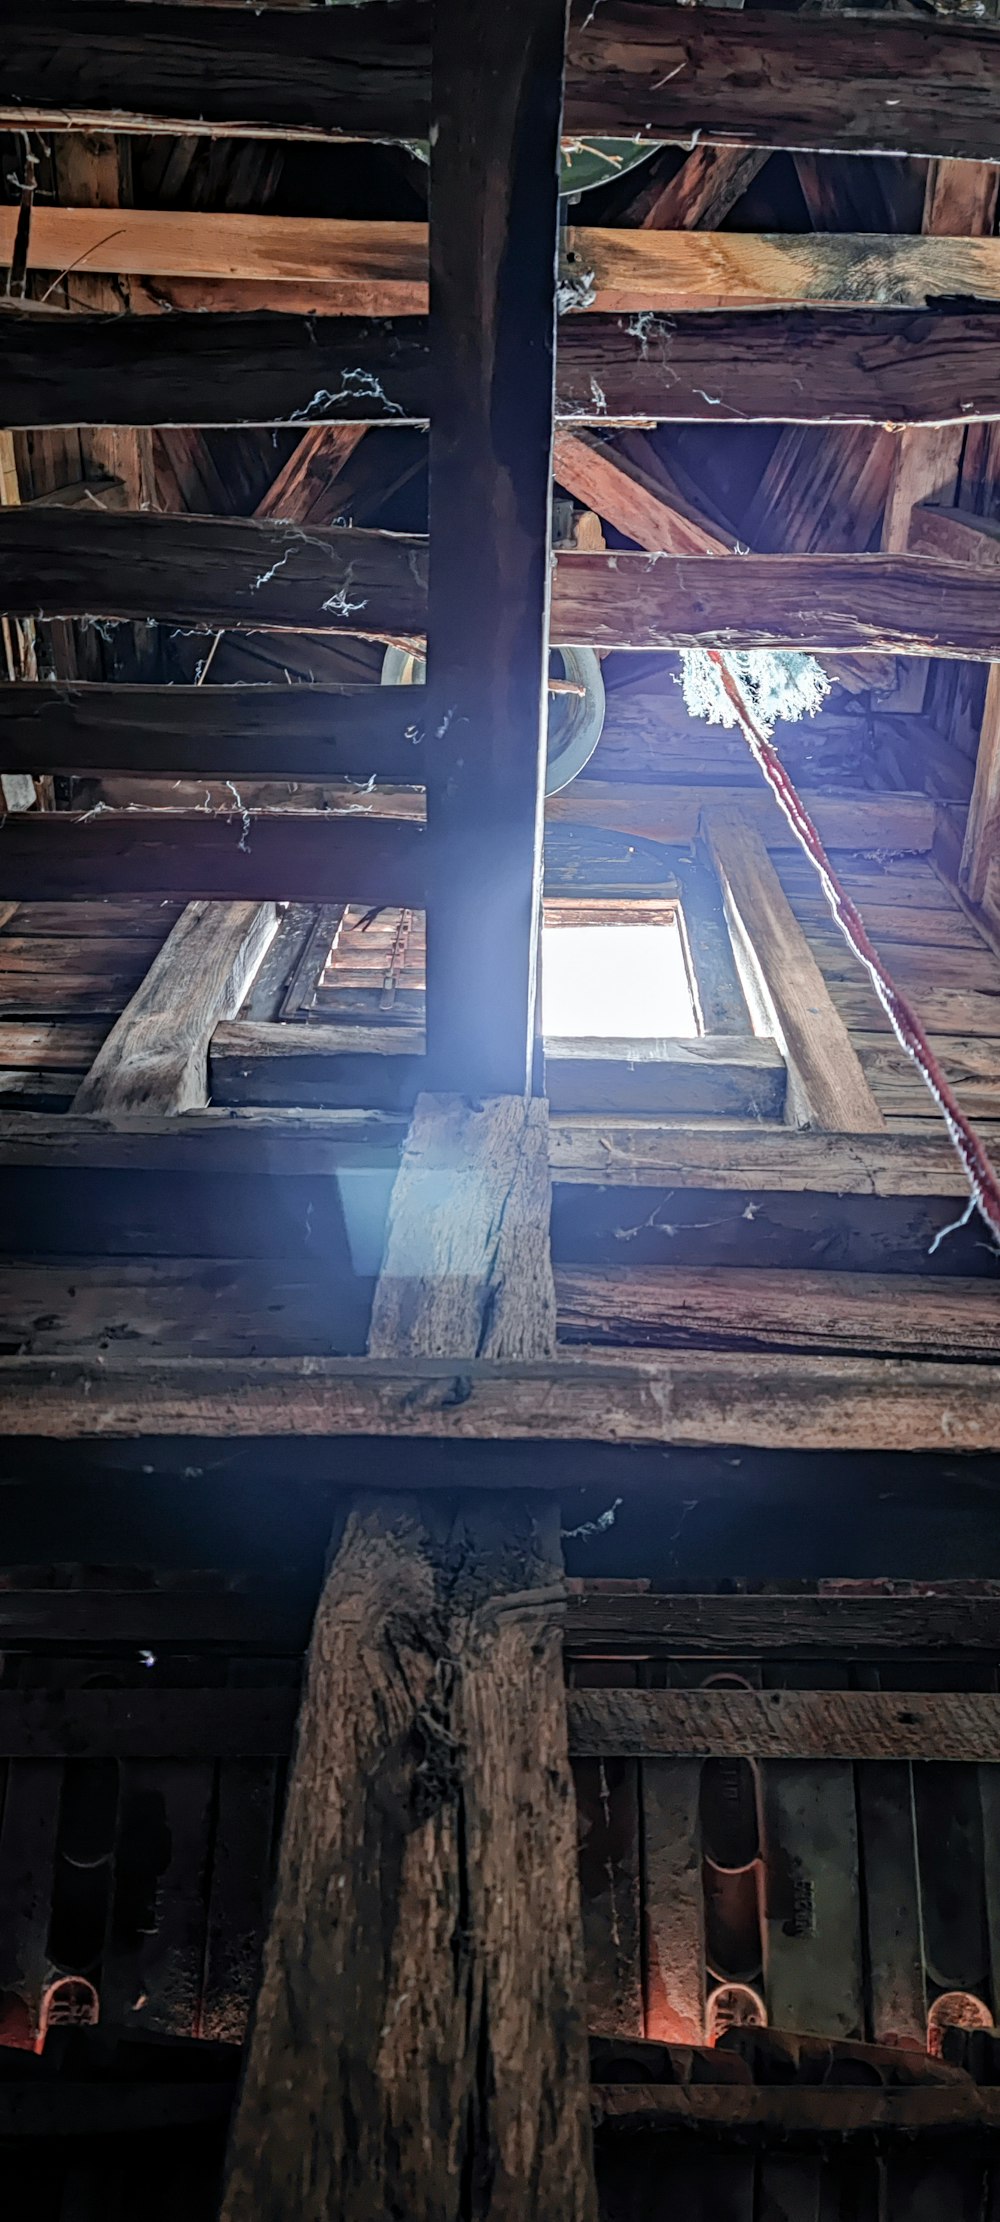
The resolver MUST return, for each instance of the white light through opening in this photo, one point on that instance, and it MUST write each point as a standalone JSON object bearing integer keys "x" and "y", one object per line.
{"x": 626, "y": 983}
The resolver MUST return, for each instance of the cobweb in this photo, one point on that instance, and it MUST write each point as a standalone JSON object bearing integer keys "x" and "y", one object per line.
{"x": 781, "y": 686}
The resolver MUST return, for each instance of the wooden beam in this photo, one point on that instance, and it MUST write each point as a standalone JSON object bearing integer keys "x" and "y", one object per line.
{"x": 241, "y": 572}
{"x": 672, "y": 1307}
{"x": 830, "y": 1089}
{"x": 812, "y": 366}
{"x": 701, "y": 193}
{"x": 467, "y": 1265}
{"x": 774, "y": 2116}
{"x": 717, "y": 1399}
{"x": 981, "y": 845}
{"x": 959, "y": 535}
{"x": 313, "y": 856}
{"x": 920, "y": 87}
{"x": 766, "y": 1624}
{"x": 156, "y": 1056}
{"x": 245, "y": 732}
{"x": 494, "y": 212}
{"x": 146, "y": 1724}
{"x": 963, "y": 1726}
{"x": 629, "y": 498}
{"x": 369, "y": 268}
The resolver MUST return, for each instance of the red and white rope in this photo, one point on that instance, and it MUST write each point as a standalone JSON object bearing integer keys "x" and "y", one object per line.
{"x": 984, "y": 1187}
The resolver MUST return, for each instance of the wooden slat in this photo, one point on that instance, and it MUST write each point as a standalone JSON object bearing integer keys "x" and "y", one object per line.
{"x": 957, "y": 535}
{"x": 633, "y": 1154}
{"x": 923, "y": 87}
{"x": 813, "y": 1979}
{"x": 779, "y": 2113}
{"x": 819, "y": 365}
{"x": 981, "y": 845}
{"x": 722, "y": 1074}
{"x": 720, "y": 1309}
{"x": 772, "y": 1403}
{"x": 673, "y": 1901}
{"x": 663, "y": 812}
{"x": 235, "y": 857}
{"x": 244, "y": 732}
{"x": 891, "y": 1908}
{"x": 156, "y": 1057}
{"x": 494, "y": 228}
{"x": 785, "y": 1725}
{"x": 830, "y": 1089}
{"x": 147, "y": 1724}
{"x": 769, "y": 1624}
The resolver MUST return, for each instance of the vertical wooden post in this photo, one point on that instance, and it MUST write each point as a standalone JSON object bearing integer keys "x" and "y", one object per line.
{"x": 418, "y": 2049}
{"x": 496, "y": 105}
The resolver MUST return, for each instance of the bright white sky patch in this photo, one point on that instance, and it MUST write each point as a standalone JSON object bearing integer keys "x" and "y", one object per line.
{"x": 614, "y": 982}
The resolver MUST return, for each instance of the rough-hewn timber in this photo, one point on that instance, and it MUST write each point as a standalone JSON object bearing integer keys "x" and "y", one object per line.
{"x": 418, "y": 2025}
{"x": 681, "y": 1308}
{"x": 156, "y": 1056}
{"x": 244, "y": 732}
{"x": 785, "y": 1724}
{"x": 920, "y": 87}
{"x": 749, "y": 1626}
{"x": 814, "y": 366}
{"x": 302, "y": 856}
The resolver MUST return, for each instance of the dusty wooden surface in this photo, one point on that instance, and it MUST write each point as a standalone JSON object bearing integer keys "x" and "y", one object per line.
{"x": 786, "y": 1725}
{"x": 156, "y": 1056}
{"x": 418, "y": 2046}
{"x": 741, "y": 1309}
{"x": 467, "y": 1266}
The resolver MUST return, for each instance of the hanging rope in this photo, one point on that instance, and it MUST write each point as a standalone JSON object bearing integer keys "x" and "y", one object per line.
{"x": 984, "y": 1188}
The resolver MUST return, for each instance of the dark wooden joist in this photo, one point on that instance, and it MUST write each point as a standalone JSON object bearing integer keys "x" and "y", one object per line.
{"x": 206, "y": 572}
{"x": 54, "y": 856}
{"x": 674, "y": 1307}
{"x": 785, "y": 1724}
{"x": 762, "y": 1625}
{"x": 494, "y": 229}
{"x": 698, "y": 1398}
{"x": 635, "y": 66}
{"x": 249, "y": 574}
{"x": 808, "y": 2115}
{"x": 142, "y": 1724}
{"x": 805, "y": 366}
{"x": 245, "y": 732}
{"x": 606, "y": 1623}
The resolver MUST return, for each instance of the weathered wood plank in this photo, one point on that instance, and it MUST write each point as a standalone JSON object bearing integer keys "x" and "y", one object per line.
{"x": 777, "y": 2114}
{"x": 233, "y": 857}
{"x": 147, "y": 1724}
{"x": 786, "y": 1726}
{"x": 467, "y": 1265}
{"x": 722, "y": 1074}
{"x": 915, "y": 86}
{"x": 244, "y": 732}
{"x": 156, "y": 1057}
{"x": 631, "y": 1154}
{"x": 673, "y": 1901}
{"x": 981, "y": 845}
{"x": 494, "y": 214}
{"x": 799, "y": 1625}
{"x": 771, "y": 1403}
{"x": 829, "y": 1087}
{"x": 249, "y": 573}
{"x": 819, "y": 365}
{"x": 430, "y": 1777}
{"x": 670, "y": 1307}
{"x": 891, "y": 1907}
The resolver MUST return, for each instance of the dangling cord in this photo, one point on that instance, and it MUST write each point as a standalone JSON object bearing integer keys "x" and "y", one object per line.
{"x": 984, "y": 1187}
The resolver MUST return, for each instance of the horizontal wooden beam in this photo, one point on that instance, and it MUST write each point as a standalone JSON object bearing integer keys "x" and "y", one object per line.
{"x": 675, "y": 1308}
{"x": 584, "y": 1151}
{"x": 364, "y": 268}
{"x": 778, "y": 2113}
{"x": 245, "y": 732}
{"x": 659, "y": 811}
{"x": 250, "y": 574}
{"x": 146, "y": 1724}
{"x": 784, "y": 1724}
{"x": 813, "y": 366}
{"x": 762, "y": 1402}
{"x": 681, "y": 1625}
{"x": 753, "y": 1626}
{"x": 906, "y": 86}
{"x": 959, "y": 535}
{"x": 303, "y": 856}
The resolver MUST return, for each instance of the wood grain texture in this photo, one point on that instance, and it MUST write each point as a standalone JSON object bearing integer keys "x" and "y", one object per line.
{"x": 786, "y": 1725}
{"x": 467, "y": 1268}
{"x": 766, "y": 1402}
{"x": 671, "y": 1307}
{"x": 244, "y": 732}
{"x": 981, "y": 843}
{"x": 830, "y": 1089}
{"x": 801, "y": 1626}
{"x": 782, "y": 2113}
{"x": 629, "y": 1154}
{"x": 673, "y": 1902}
{"x": 426, "y": 1891}
{"x": 156, "y": 1057}
{"x": 817, "y": 365}
{"x": 891, "y": 1909}
{"x": 146, "y": 1724}
{"x": 920, "y": 87}
{"x": 494, "y": 211}
{"x": 723, "y": 1074}
{"x": 238, "y": 856}
{"x": 813, "y": 1976}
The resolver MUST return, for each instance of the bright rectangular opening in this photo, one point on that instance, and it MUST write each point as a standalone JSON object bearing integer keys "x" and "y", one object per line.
{"x": 615, "y": 975}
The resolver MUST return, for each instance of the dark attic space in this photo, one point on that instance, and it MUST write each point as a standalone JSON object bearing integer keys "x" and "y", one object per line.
{"x": 499, "y": 1111}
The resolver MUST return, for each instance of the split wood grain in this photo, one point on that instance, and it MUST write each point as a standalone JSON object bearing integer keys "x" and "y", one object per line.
{"x": 426, "y": 1891}
{"x": 892, "y": 1314}
{"x": 817, "y": 365}
{"x": 981, "y": 844}
{"x": 761, "y": 1401}
{"x": 156, "y": 1057}
{"x": 769, "y": 1623}
{"x": 467, "y": 1267}
{"x": 830, "y": 1089}
{"x": 786, "y": 1725}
